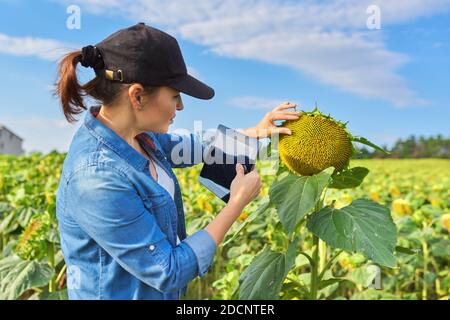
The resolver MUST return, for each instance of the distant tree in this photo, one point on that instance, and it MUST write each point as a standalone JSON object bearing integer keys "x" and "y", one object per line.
{"x": 411, "y": 147}
{"x": 362, "y": 153}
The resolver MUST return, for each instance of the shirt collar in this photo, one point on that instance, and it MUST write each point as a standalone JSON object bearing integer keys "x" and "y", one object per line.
{"x": 110, "y": 138}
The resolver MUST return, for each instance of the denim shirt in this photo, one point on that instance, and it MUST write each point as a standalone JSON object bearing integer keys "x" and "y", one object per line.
{"x": 118, "y": 226}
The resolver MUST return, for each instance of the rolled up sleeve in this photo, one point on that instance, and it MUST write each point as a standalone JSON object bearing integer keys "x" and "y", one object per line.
{"x": 204, "y": 248}
{"x": 108, "y": 208}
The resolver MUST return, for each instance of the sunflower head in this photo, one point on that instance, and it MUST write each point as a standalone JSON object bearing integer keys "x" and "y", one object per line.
{"x": 445, "y": 221}
{"x": 31, "y": 243}
{"x": 317, "y": 143}
{"x": 401, "y": 207}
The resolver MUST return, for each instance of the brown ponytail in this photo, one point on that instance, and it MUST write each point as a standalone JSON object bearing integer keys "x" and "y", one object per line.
{"x": 68, "y": 89}
{"x": 71, "y": 92}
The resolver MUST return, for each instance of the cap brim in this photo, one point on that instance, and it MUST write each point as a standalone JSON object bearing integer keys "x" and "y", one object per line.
{"x": 193, "y": 87}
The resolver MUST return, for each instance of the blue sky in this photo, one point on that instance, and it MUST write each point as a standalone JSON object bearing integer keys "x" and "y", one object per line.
{"x": 386, "y": 83}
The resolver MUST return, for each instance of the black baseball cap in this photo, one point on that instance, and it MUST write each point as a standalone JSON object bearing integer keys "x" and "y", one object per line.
{"x": 145, "y": 55}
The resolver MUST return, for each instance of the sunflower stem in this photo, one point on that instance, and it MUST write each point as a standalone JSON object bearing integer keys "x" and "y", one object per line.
{"x": 51, "y": 263}
{"x": 61, "y": 273}
{"x": 314, "y": 269}
{"x": 315, "y": 280}
{"x": 425, "y": 269}
{"x": 322, "y": 254}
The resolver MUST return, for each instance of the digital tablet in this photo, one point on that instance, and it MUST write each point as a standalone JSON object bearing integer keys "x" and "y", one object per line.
{"x": 228, "y": 148}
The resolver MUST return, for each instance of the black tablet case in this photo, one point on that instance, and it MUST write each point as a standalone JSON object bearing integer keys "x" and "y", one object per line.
{"x": 228, "y": 148}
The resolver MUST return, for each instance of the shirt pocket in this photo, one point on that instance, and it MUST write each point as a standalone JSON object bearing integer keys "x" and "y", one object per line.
{"x": 158, "y": 205}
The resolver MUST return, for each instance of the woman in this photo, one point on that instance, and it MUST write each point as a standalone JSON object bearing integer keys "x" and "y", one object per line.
{"x": 119, "y": 205}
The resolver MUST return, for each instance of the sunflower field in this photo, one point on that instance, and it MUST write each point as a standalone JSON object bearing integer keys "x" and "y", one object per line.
{"x": 258, "y": 259}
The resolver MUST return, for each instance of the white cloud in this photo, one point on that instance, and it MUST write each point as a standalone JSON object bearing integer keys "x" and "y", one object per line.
{"x": 250, "y": 102}
{"x": 46, "y": 49}
{"x": 350, "y": 63}
{"x": 328, "y": 40}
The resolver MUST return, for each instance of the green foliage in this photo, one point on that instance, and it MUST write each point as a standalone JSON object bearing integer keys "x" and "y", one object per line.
{"x": 27, "y": 193}
{"x": 370, "y": 144}
{"x": 17, "y": 276}
{"x": 30, "y": 256}
{"x": 264, "y": 277}
{"x": 296, "y": 196}
{"x": 412, "y": 147}
{"x": 350, "y": 178}
{"x": 363, "y": 226}
{"x": 32, "y": 243}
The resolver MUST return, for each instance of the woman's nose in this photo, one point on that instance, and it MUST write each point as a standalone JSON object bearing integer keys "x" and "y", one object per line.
{"x": 180, "y": 105}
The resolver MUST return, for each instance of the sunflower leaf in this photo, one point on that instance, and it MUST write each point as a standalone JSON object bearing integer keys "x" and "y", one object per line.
{"x": 17, "y": 276}
{"x": 264, "y": 277}
{"x": 363, "y": 226}
{"x": 350, "y": 178}
{"x": 369, "y": 143}
{"x": 295, "y": 196}
{"x": 265, "y": 204}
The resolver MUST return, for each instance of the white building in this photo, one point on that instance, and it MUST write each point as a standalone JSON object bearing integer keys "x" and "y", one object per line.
{"x": 10, "y": 143}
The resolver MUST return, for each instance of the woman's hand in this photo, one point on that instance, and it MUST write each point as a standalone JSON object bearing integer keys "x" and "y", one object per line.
{"x": 245, "y": 187}
{"x": 266, "y": 127}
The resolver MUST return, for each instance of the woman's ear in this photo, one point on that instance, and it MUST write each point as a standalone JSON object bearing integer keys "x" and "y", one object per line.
{"x": 135, "y": 92}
